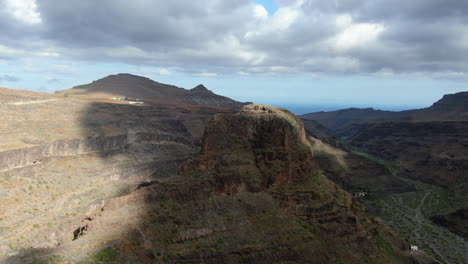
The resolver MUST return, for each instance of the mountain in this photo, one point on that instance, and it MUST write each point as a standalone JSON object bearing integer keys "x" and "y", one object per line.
{"x": 343, "y": 119}
{"x": 147, "y": 90}
{"x": 452, "y": 107}
{"x": 427, "y": 148}
{"x": 253, "y": 194}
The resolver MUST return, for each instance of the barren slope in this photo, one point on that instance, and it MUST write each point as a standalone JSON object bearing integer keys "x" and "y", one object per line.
{"x": 62, "y": 157}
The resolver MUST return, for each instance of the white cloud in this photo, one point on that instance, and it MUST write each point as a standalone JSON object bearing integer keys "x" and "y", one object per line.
{"x": 302, "y": 36}
{"x": 9, "y": 52}
{"x": 353, "y": 35}
{"x": 6, "y": 51}
{"x": 164, "y": 72}
{"x": 24, "y": 10}
{"x": 205, "y": 74}
{"x": 260, "y": 12}
{"x": 343, "y": 21}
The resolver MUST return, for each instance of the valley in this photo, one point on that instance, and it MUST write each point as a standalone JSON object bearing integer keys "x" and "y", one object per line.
{"x": 91, "y": 185}
{"x": 85, "y": 178}
{"x": 232, "y": 132}
{"x": 425, "y": 148}
{"x": 408, "y": 214}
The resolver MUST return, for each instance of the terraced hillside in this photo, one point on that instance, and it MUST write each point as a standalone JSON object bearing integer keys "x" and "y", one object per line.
{"x": 62, "y": 157}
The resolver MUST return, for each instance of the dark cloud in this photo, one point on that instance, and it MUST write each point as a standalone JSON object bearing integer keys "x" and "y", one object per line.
{"x": 341, "y": 36}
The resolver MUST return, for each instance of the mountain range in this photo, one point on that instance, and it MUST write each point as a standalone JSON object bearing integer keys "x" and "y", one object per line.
{"x": 188, "y": 176}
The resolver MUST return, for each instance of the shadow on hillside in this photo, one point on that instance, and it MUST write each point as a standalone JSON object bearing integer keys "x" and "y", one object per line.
{"x": 123, "y": 148}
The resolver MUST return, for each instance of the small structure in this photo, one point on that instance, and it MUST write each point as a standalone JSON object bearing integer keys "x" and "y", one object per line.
{"x": 360, "y": 194}
{"x": 414, "y": 248}
{"x": 135, "y": 102}
{"x": 117, "y": 98}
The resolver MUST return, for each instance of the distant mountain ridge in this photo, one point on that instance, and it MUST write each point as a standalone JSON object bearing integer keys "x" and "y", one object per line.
{"x": 452, "y": 107}
{"x": 133, "y": 86}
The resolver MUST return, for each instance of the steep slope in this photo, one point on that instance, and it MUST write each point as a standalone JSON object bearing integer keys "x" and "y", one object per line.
{"x": 450, "y": 107}
{"x": 455, "y": 221}
{"x": 147, "y": 90}
{"x": 432, "y": 152}
{"x": 62, "y": 157}
{"x": 254, "y": 194}
{"x": 354, "y": 171}
{"x": 427, "y": 146}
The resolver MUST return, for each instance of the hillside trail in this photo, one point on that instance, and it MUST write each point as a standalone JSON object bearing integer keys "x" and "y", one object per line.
{"x": 418, "y": 216}
{"x": 447, "y": 246}
{"x": 32, "y": 102}
{"x": 420, "y": 219}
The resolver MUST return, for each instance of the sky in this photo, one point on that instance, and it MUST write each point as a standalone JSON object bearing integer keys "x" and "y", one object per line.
{"x": 300, "y": 54}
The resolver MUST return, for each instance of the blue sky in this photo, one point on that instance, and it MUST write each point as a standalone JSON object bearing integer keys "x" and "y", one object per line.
{"x": 269, "y": 5}
{"x": 301, "y": 54}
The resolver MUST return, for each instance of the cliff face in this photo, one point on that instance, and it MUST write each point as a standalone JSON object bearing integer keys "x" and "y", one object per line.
{"x": 254, "y": 194}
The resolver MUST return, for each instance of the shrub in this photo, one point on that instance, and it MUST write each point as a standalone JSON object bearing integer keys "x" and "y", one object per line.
{"x": 106, "y": 255}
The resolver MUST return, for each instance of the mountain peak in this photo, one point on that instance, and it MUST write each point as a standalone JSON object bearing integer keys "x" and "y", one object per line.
{"x": 134, "y": 86}
{"x": 120, "y": 76}
{"x": 200, "y": 89}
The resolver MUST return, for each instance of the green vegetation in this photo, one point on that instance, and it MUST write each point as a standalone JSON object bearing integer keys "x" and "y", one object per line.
{"x": 106, "y": 255}
{"x": 408, "y": 213}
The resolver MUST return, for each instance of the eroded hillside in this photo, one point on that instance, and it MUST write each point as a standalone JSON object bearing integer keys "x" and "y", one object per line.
{"x": 254, "y": 194}
{"x": 62, "y": 158}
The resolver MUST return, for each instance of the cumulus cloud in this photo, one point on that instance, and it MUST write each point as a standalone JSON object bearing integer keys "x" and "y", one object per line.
{"x": 240, "y": 36}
